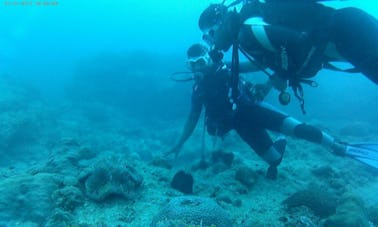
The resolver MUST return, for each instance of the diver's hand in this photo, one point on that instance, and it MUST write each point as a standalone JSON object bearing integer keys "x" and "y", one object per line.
{"x": 174, "y": 151}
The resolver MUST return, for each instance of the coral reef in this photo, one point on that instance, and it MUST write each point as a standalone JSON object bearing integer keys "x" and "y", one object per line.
{"x": 60, "y": 218}
{"x": 67, "y": 157}
{"x": 68, "y": 198}
{"x": 106, "y": 179}
{"x": 192, "y": 211}
{"x": 27, "y": 197}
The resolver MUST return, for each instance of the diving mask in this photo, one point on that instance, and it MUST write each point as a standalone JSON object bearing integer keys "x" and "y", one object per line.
{"x": 197, "y": 64}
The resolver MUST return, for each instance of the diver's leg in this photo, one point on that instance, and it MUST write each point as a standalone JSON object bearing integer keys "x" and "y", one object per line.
{"x": 355, "y": 34}
{"x": 269, "y": 118}
{"x": 293, "y": 127}
{"x": 253, "y": 122}
{"x": 260, "y": 141}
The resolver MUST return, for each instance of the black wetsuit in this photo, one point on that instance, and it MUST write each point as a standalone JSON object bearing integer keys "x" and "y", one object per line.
{"x": 300, "y": 31}
{"x": 250, "y": 119}
{"x": 355, "y": 34}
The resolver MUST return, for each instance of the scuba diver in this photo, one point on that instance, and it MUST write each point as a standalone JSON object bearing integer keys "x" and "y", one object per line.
{"x": 295, "y": 39}
{"x": 250, "y": 117}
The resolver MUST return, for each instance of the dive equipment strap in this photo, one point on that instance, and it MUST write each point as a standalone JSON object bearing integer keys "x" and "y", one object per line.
{"x": 203, "y": 139}
{"x": 233, "y": 91}
{"x": 254, "y": 62}
{"x": 296, "y": 85}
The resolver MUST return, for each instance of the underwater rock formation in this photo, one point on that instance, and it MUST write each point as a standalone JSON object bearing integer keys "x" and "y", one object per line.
{"x": 60, "y": 218}
{"x": 106, "y": 180}
{"x": 67, "y": 157}
{"x": 321, "y": 202}
{"x": 222, "y": 156}
{"x": 350, "y": 213}
{"x": 161, "y": 162}
{"x": 246, "y": 176}
{"x": 27, "y": 198}
{"x": 192, "y": 211}
{"x": 68, "y": 198}
{"x": 373, "y": 215}
{"x": 183, "y": 182}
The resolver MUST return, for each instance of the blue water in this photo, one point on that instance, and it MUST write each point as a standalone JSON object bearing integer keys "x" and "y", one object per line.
{"x": 77, "y": 69}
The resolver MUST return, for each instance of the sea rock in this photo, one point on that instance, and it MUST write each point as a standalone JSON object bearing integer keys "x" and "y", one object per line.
{"x": 321, "y": 202}
{"x": 161, "y": 162}
{"x": 350, "y": 213}
{"x": 373, "y": 215}
{"x": 324, "y": 172}
{"x": 183, "y": 182}
{"x": 222, "y": 156}
{"x": 246, "y": 176}
{"x": 192, "y": 211}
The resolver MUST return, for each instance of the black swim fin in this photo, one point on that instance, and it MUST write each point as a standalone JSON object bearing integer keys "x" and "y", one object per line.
{"x": 364, "y": 152}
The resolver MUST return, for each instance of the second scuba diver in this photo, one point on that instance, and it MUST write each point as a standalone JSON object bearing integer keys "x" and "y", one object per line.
{"x": 250, "y": 117}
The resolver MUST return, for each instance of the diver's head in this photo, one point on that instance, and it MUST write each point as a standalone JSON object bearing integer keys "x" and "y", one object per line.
{"x": 198, "y": 58}
{"x": 212, "y": 17}
{"x": 219, "y": 26}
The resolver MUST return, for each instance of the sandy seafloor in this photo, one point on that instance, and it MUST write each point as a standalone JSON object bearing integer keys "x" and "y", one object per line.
{"x": 44, "y": 160}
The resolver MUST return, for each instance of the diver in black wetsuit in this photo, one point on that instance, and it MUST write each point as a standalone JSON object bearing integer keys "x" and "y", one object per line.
{"x": 250, "y": 118}
{"x": 295, "y": 38}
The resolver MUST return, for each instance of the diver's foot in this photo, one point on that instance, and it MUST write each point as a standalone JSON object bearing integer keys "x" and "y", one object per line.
{"x": 339, "y": 148}
{"x": 280, "y": 145}
{"x": 272, "y": 172}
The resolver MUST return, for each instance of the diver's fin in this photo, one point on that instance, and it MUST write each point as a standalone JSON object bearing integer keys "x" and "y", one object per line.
{"x": 364, "y": 152}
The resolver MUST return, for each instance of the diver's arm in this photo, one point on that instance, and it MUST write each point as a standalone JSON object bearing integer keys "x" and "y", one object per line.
{"x": 189, "y": 127}
{"x": 245, "y": 67}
